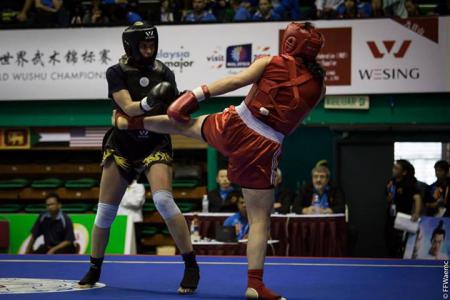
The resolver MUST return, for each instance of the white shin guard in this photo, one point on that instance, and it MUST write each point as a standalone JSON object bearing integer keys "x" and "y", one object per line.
{"x": 106, "y": 213}
{"x": 165, "y": 204}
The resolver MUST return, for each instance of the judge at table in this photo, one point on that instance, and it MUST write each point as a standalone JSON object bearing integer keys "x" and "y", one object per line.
{"x": 319, "y": 197}
{"x": 239, "y": 220}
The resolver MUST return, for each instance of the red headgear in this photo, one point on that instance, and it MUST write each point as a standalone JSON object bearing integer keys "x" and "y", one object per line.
{"x": 302, "y": 39}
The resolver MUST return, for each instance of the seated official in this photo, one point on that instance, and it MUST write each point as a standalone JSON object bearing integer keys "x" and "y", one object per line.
{"x": 224, "y": 198}
{"x": 239, "y": 220}
{"x": 56, "y": 227}
{"x": 330, "y": 198}
{"x": 284, "y": 198}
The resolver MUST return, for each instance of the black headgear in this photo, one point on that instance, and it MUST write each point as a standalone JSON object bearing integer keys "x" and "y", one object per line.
{"x": 136, "y": 33}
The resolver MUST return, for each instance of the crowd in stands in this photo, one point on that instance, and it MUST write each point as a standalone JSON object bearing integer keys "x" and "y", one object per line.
{"x": 63, "y": 13}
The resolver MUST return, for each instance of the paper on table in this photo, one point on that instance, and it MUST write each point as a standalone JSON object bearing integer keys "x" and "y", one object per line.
{"x": 403, "y": 222}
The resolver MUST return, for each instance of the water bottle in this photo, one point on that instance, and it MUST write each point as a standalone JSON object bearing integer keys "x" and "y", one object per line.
{"x": 393, "y": 210}
{"x": 205, "y": 204}
{"x": 195, "y": 230}
{"x": 316, "y": 204}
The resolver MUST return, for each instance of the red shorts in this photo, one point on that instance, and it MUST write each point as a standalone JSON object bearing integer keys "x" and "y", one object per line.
{"x": 253, "y": 148}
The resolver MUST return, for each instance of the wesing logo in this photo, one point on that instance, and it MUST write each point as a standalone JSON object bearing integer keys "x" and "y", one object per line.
{"x": 239, "y": 56}
{"x": 389, "y": 45}
{"x": 386, "y": 50}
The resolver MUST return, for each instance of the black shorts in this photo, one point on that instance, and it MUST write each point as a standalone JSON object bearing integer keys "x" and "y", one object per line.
{"x": 134, "y": 153}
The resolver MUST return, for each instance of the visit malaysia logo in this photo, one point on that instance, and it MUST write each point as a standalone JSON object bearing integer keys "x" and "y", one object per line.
{"x": 176, "y": 59}
{"x": 216, "y": 59}
{"x": 239, "y": 56}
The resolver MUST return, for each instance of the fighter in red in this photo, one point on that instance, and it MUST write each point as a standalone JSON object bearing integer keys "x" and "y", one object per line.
{"x": 285, "y": 89}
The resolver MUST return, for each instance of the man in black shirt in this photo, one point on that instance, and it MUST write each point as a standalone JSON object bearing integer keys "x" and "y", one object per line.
{"x": 437, "y": 198}
{"x": 225, "y": 197}
{"x": 56, "y": 227}
{"x": 403, "y": 195}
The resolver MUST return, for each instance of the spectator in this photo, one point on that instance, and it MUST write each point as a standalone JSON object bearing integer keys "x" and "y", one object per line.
{"x": 283, "y": 196}
{"x": 395, "y": 8}
{"x": 56, "y": 227}
{"x": 12, "y": 11}
{"x": 132, "y": 202}
{"x": 326, "y": 9}
{"x": 116, "y": 11}
{"x": 330, "y": 198}
{"x": 403, "y": 195}
{"x": 437, "y": 199}
{"x": 377, "y": 8}
{"x": 239, "y": 220}
{"x": 412, "y": 8}
{"x": 50, "y": 12}
{"x": 166, "y": 11}
{"x": 288, "y": 9}
{"x": 265, "y": 12}
{"x": 364, "y": 9}
{"x": 22, "y": 16}
{"x": 347, "y": 10}
{"x": 95, "y": 15}
{"x": 199, "y": 13}
{"x": 77, "y": 14}
{"x": 222, "y": 11}
{"x": 132, "y": 14}
{"x": 241, "y": 10}
{"x": 223, "y": 199}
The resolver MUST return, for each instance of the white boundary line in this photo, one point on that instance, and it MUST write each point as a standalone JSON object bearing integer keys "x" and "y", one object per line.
{"x": 225, "y": 263}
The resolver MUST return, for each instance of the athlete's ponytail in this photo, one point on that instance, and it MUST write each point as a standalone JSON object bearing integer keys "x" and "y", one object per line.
{"x": 315, "y": 69}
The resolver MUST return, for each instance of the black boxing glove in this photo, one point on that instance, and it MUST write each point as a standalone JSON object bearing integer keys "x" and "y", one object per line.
{"x": 159, "y": 97}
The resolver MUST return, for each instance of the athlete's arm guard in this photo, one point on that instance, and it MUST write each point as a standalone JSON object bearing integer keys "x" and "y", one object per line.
{"x": 187, "y": 103}
{"x": 158, "y": 98}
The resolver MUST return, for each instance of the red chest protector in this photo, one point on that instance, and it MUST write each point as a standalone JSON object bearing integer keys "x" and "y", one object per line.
{"x": 284, "y": 95}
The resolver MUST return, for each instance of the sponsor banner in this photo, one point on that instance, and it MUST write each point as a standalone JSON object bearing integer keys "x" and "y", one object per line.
{"x": 361, "y": 56}
{"x": 396, "y": 57}
{"x": 432, "y": 241}
{"x": 20, "y": 227}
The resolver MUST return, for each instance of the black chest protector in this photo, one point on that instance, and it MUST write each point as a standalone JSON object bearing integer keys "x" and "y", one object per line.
{"x": 141, "y": 81}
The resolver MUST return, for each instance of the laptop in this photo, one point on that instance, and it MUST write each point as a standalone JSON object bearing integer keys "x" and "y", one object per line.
{"x": 226, "y": 234}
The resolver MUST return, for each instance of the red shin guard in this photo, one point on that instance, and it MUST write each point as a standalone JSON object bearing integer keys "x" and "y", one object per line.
{"x": 256, "y": 288}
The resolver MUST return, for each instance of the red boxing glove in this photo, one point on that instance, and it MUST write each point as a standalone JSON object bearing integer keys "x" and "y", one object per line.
{"x": 187, "y": 103}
